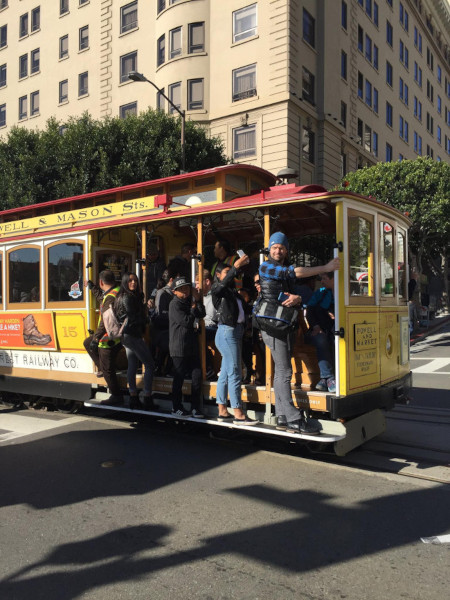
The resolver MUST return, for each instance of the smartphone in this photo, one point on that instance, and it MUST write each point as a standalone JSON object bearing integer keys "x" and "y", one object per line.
{"x": 282, "y": 297}
{"x": 240, "y": 253}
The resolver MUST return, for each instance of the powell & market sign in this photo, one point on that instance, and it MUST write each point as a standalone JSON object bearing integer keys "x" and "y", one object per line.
{"x": 93, "y": 214}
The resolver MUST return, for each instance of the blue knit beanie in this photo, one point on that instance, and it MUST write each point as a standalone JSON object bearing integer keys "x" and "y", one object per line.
{"x": 278, "y": 238}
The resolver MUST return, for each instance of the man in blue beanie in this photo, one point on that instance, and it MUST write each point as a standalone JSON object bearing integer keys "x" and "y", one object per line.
{"x": 276, "y": 277}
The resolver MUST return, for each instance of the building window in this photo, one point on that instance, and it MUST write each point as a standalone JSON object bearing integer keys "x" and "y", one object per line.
{"x": 81, "y": 2}
{"x": 389, "y": 114}
{"x": 404, "y": 54}
{"x": 245, "y": 23}
{"x": 439, "y": 74}
{"x": 369, "y": 8}
{"x": 161, "y": 51}
{"x": 128, "y": 17}
{"x": 360, "y": 85}
{"x": 175, "y": 95}
{"x": 64, "y": 46}
{"x": 3, "y": 115}
{"x": 439, "y": 135}
{"x": 417, "y": 108}
{"x": 360, "y": 38}
{"x": 344, "y": 65}
{"x": 128, "y": 110}
{"x": 375, "y": 56}
{"x": 83, "y": 84}
{"x": 375, "y": 100}
{"x": 23, "y": 25}
{"x": 244, "y": 82}
{"x": 23, "y": 66}
{"x": 309, "y": 24}
{"x": 308, "y": 143}
{"x": 84, "y": 37}
{"x": 430, "y": 123}
{"x": 160, "y": 100}
{"x": 308, "y": 82}
{"x": 375, "y": 143}
{"x": 344, "y": 114}
{"x": 63, "y": 7}
{"x": 404, "y": 18}
{"x": 417, "y": 74}
{"x": 175, "y": 42}
{"x": 368, "y": 93}
{"x": 195, "y": 94}
{"x": 3, "y": 4}
{"x": 244, "y": 142}
{"x": 439, "y": 104}
{"x": 368, "y": 48}
{"x": 35, "y": 61}
{"x": 389, "y": 34}
{"x": 360, "y": 132}
{"x": 23, "y": 107}
{"x": 128, "y": 63}
{"x": 34, "y": 103}
{"x": 63, "y": 91}
{"x": 367, "y": 138}
{"x": 3, "y": 36}
{"x": 388, "y": 153}
{"x": 375, "y": 13}
{"x": 389, "y": 73}
{"x": 430, "y": 91}
{"x": 2, "y": 75}
{"x": 24, "y": 271}
{"x": 344, "y": 14}
{"x": 196, "y": 37}
{"x": 161, "y": 5}
{"x": 430, "y": 59}
{"x": 36, "y": 19}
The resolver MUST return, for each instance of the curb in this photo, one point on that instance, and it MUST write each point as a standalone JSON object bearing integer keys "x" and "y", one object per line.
{"x": 432, "y": 329}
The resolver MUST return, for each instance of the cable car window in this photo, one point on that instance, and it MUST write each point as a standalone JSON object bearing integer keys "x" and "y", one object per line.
{"x": 401, "y": 262}
{"x": 65, "y": 272}
{"x": 386, "y": 259}
{"x": 24, "y": 268}
{"x": 360, "y": 232}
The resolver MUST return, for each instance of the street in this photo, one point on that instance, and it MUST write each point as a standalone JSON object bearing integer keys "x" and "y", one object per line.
{"x": 102, "y": 509}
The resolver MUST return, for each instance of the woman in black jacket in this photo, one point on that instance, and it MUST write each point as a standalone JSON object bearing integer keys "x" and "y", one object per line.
{"x": 229, "y": 341}
{"x": 129, "y": 306}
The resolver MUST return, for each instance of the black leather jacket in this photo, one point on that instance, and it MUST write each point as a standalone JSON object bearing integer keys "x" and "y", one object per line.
{"x": 224, "y": 299}
{"x": 281, "y": 280}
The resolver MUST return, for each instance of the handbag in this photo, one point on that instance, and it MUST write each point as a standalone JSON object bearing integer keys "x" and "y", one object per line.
{"x": 275, "y": 319}
{"x": 113, "y": 328}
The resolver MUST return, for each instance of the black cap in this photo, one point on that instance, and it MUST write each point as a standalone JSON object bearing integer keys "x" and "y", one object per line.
{"x": 179, "y": 282}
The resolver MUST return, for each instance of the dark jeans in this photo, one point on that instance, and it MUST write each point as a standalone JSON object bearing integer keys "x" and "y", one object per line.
{"x": 105, "y": 361}
{"x": 183, "y": 365}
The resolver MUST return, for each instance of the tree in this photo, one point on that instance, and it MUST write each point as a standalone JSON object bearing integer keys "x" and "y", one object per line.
{"x": 86, "y": 155}
{"x": 420, "y": 189}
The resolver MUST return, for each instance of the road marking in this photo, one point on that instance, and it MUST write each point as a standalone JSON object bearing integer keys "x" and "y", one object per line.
{"x": 434, "y": 365}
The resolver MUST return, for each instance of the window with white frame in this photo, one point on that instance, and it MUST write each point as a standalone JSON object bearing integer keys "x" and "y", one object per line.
{"x": 195, "y": 94}
{"x": 309, "y": 28}
{"x": 34, "y": 103}
{"x": 23, "y": 107}
{"x": 244, "y": 142}
{"x": 83, "y": 37}
{"x": 3, "y": 115}
{"x": 63, "y": 7}
{"x": 2, "y": 75}
{"x": 160, "y": 100}
{"x": 175, "y": 42}
{"x": 63, "y": 91}
{"x": 244, "y": 82}
{"x": 83, "y": 84}
{"x": 23, "y": 66}
{"x": 23, "y": 25}
{"x": 308, "y": 84}
{"x": 245, "y": 23}
{"x": 128, "y": 63}
{"x": 196, "y": 37}
{"x": 64, "y": 46}
{"x": 36, "y": 19}
{"x": 3, "y": 36}
{"x": 175, "y": 95}
{"x": 161, "y": 51}
{"x": 35, "y": 61}
{"x": 308, "y": 144}
{"x": 128, "y": 17}
{"x": 128, "y": 110}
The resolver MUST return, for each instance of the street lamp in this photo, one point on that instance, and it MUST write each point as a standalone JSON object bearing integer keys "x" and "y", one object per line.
{"x": 135, "y": 76}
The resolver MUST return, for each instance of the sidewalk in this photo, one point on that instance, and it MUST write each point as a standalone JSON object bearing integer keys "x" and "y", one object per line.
{"x": 421, "y": 333}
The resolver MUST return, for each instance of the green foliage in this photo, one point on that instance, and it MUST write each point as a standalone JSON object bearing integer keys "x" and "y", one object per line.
{"x": 419, "y": 188}
{"x": 92, "y": 155}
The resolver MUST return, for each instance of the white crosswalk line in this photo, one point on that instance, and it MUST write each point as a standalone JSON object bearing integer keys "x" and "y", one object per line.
{"x": 434, "y": 365}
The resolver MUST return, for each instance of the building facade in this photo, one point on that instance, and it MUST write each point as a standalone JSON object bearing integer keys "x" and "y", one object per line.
{"x": 320, "y": 86}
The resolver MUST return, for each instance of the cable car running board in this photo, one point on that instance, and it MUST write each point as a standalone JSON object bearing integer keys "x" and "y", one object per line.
{"x": 262, "y": 428}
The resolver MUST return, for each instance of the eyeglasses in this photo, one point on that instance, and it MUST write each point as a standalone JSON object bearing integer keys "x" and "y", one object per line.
{"x": 257, "y": 281}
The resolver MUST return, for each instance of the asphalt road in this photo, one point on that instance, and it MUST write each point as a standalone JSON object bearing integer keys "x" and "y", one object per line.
{"x": 430, "y": 364}
{"x": 102, "y": 510}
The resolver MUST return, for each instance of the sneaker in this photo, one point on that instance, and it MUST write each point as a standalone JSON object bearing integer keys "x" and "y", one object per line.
{"x": 245, "y": 421}
{"x": 321, "y": 386}
{"x": 180, "y": 412}
{"x": 196, "y": 414}
{"x": 331, "y": 385}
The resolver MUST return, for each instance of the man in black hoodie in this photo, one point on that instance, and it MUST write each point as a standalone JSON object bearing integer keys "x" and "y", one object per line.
{"x": 183, "y": 345}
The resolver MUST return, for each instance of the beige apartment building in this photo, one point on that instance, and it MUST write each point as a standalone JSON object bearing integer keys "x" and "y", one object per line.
{"x": 319, "y": 86}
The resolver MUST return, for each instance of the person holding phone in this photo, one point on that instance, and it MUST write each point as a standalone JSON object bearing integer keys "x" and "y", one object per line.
{"x": 278, "y": 277}
{"x": 230, "y": 331}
